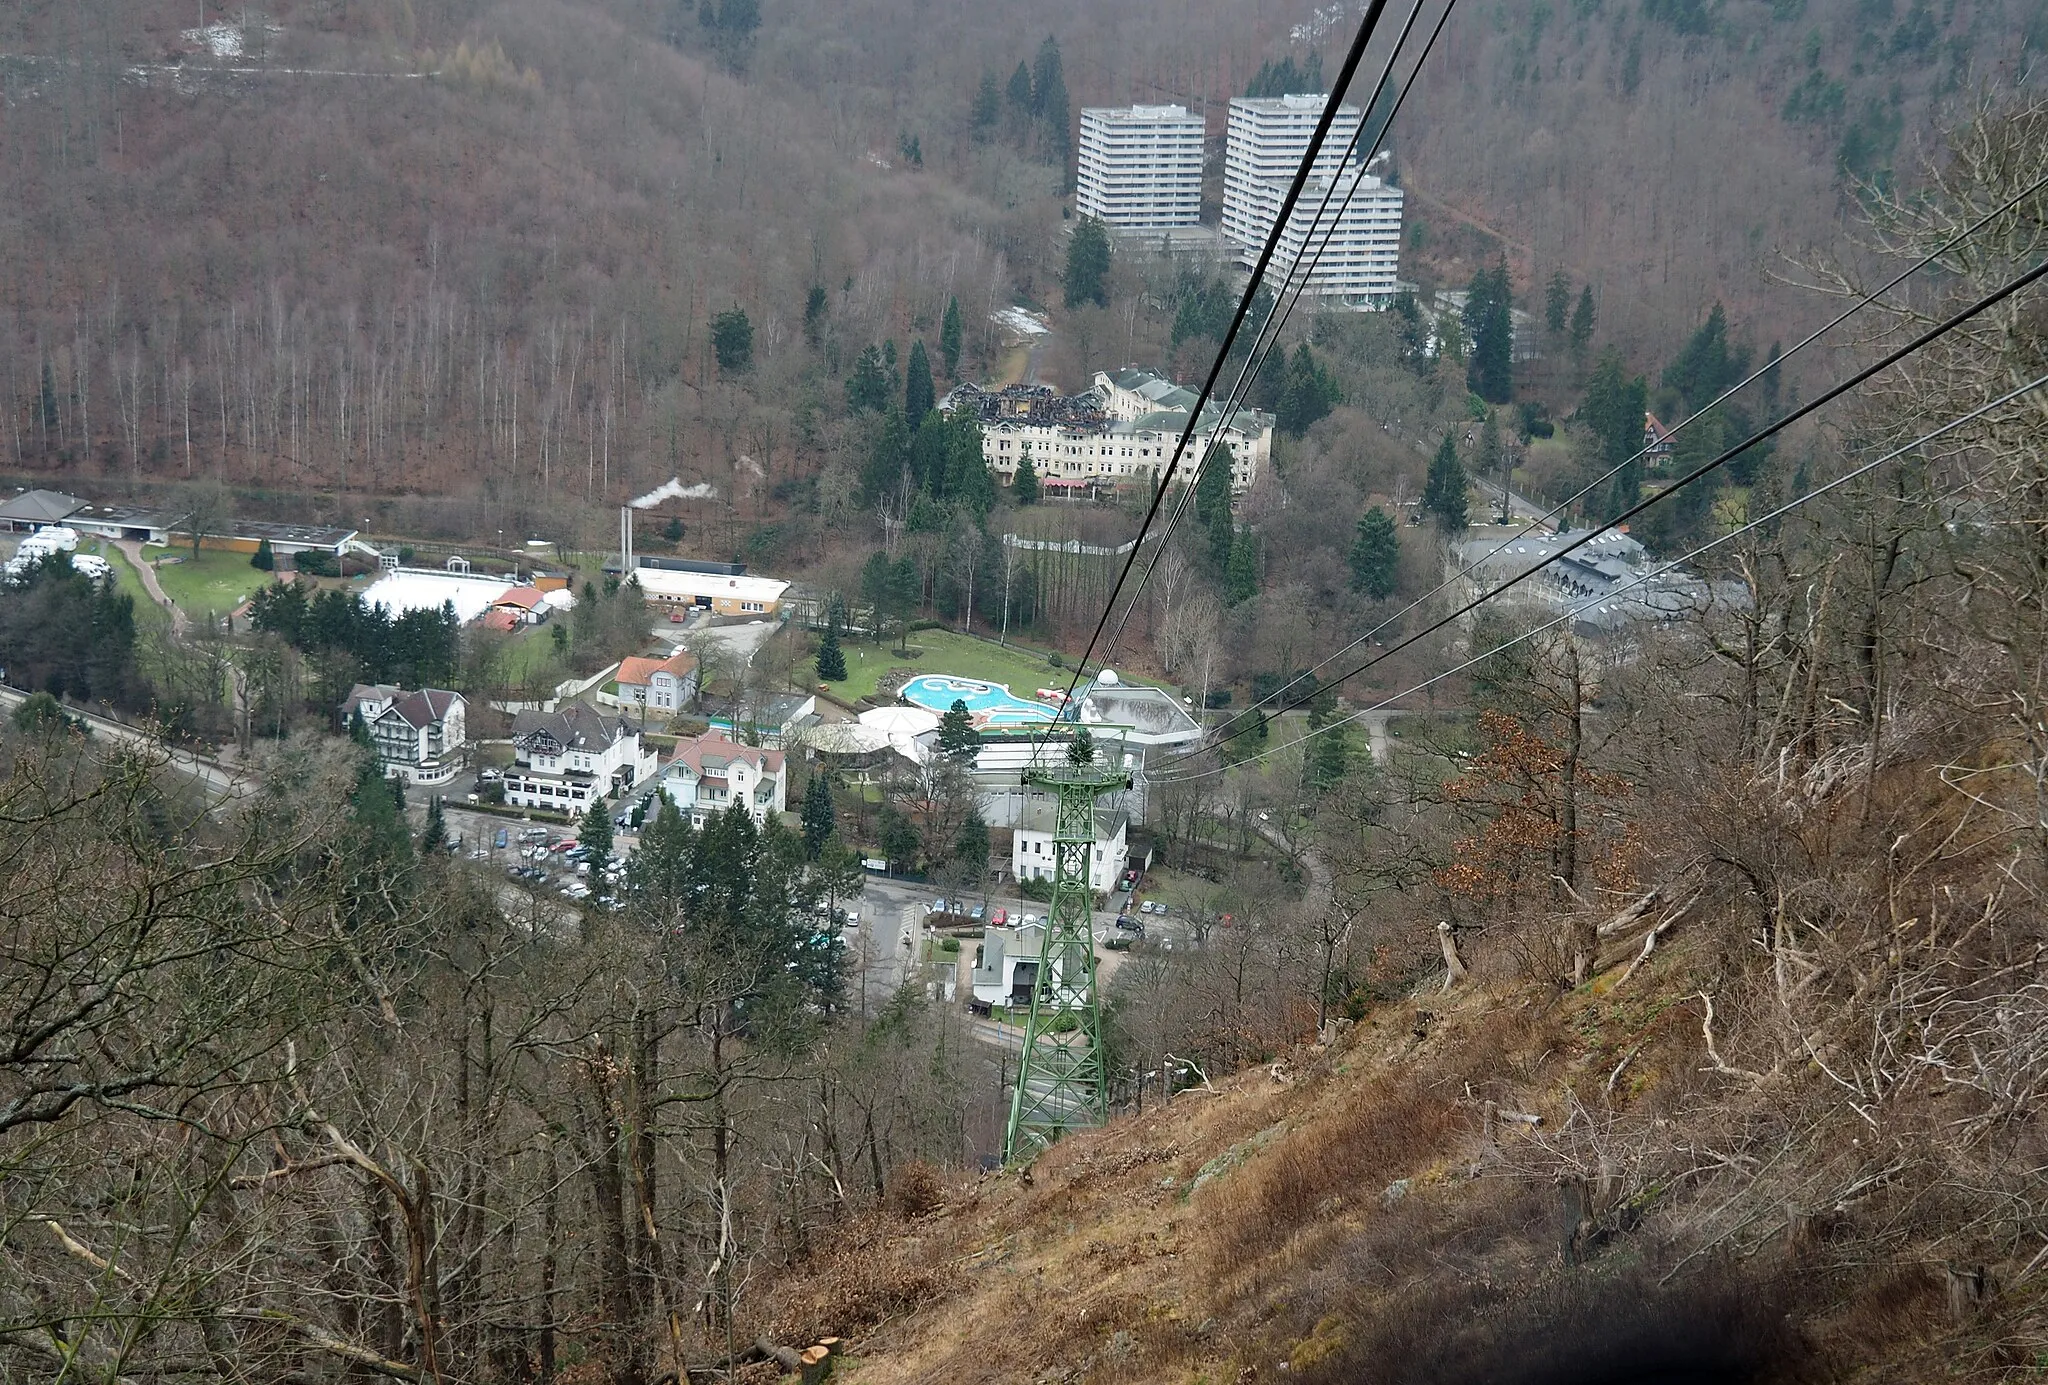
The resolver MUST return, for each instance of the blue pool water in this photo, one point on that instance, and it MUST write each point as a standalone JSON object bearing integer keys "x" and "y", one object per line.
{"x": 992, "y": 703}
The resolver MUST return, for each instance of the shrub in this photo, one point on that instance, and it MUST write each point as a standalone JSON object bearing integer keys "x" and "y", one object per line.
{"x": 916, "y": 1190}
{"x": 315, "y": 563}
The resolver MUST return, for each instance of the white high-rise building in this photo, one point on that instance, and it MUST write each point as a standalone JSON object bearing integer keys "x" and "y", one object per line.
{"x": 1263, "y": 147}
{"x": 1140, "y": 167}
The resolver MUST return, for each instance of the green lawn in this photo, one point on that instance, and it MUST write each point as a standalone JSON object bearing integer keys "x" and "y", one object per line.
{"x": 214, "y": 581}
{"x": 531, "y": 661}
{"x": 148, "y": 615}
{"x": 948, "y": 651}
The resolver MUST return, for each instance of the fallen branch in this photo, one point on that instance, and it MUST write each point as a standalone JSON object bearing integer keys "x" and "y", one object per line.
{"x": 1720, "y": 1065}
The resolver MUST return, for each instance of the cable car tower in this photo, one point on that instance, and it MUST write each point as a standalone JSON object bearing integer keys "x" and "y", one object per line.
{"x": 1061, "y": 1081}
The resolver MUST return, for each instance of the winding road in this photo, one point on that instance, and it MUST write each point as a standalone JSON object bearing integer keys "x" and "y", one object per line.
{"x": 145, "y": 572}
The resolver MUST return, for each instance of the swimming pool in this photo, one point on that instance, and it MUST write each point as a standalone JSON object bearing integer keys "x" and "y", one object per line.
{"x": 991, "y": 703}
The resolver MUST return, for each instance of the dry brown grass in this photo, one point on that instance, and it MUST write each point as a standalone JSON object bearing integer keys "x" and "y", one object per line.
{"x": 1377, "y": 1132}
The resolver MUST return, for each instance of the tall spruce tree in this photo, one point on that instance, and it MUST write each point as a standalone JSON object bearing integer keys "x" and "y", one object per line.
{"x": 1583, "y": 321}
{"x": 950, "y": 337}
{"x": 959, "y": 741}
{"x": 988, "y": 105}
{"x": 918, "y": 393}
{"x": 1490, "y": 326}
{"x": 435, "y": 837}
{"x": 1613, "y": 411}
{"x": 1087, "y": 274}
{"x": 1557, "y": 303}
{"x": 831, "y": 658}
{"x": 1708, "y": 364}
{"x": 819, "y": 817}
{"x": 1024, "y": 486}
{"x": 1376, "y": 555}
{"x": 1444, "y": 492}
{"x": 1019, "y": 90}
{"x": 1241, "y": 573}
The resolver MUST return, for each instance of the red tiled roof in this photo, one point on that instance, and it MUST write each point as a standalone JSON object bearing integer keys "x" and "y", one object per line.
{"x": 639, "y": 671}
{"x": 526, "y": 598}
{"x": 496, "y": 619}
{"x": 722, "y": 752}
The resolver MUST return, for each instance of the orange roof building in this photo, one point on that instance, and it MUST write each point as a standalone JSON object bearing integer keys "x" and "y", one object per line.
{"x": 664, "y": 685}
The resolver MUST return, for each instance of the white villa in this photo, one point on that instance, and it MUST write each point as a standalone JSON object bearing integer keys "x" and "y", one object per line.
{"x": 567, "y": 759}
{"x": 419, "y": 735}
{"x": 664, "y": 685}
{"x": 710, "y": 773}
{"x": 1031, "y": 844}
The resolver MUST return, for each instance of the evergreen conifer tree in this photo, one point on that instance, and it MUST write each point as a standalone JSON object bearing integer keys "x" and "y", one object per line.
{"x": 1222, "y": 536}
{"x": 819, "y": 817}
{"x": 1081, "y": 750}
{"x": 1582, "y": 321}
{"x": 1019, "y": 90}
{"x": 970, "y": 844}
{"x": 1557, "y": 303}
{"x": 263, "y": 559}
{"x": 1376, "y": 555}
{"x": 815, "y": 304}
{"x": 831, "y": 658}
{"x": 988, "y": 105}
{"x": 435, "y": 838}
{"x": 595, "y": 836}
{"x": 1241, "y": 574}
{"x": 918, "y": 392}
{"x": 950, "y": 339}
{"x": 1024, "y": 488}
{"x": 1087, "y": 274}
{"x": 1444, "y": 492}
{"x": 1490, "y": 326}
{"x": 1613, "y": 410}
{"x": 959, "y": 741}
{"x": 868, "y": 387}
{"x": 732, "y": 340}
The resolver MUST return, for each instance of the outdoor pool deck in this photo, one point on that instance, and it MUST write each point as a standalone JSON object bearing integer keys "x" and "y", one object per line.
{"x": 991, "y": 704}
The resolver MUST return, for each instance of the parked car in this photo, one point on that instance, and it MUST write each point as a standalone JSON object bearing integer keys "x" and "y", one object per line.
{"x": 675, "y": 617}
{"x": 499, "y": 840}
{"x": 938, "y": 906}
{"x": 1000, "y": 919}
{"x": 1118, "y": 942}
{"x": 975, "y": 913}
{"x": 485, "y": 776}
{"x": 1130, "y": 925}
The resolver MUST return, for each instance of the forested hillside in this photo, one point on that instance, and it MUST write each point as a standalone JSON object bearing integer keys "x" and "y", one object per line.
{"x": 474, "y": 249}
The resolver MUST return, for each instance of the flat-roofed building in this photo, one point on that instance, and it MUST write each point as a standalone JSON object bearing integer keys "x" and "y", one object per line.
{"x": 724, "y": 594}
{"x": 1139, "y": 168}
{"x": 1356, "y": 245}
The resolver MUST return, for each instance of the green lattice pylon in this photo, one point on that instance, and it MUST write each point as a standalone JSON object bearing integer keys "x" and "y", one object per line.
{"x": 1060, "y": 1081}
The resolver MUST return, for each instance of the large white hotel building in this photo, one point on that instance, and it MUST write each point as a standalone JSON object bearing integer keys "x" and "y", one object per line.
{"x": 1140, "y": 167}
{"x": 1263, "y": 146}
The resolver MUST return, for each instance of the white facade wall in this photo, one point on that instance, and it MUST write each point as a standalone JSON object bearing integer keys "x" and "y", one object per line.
{"x": 566, "y": 782}
{"x": 1140, "y": 167}
{"x": 1264, "y": 145}
{"x": 1356, "y": 248}
{"x": 1032, "y": 858}
{"x": 697, "y": 797}
{"x": 1117, "y": 455}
